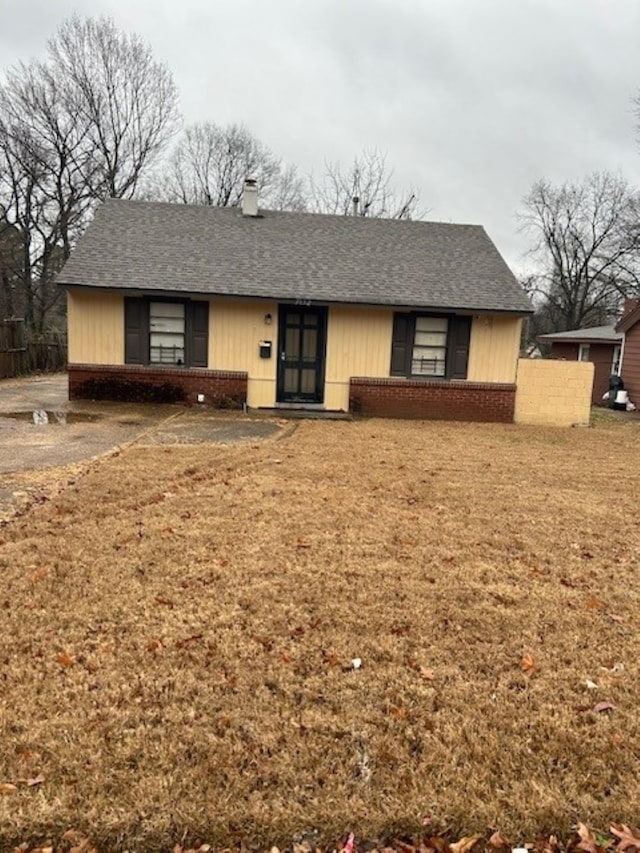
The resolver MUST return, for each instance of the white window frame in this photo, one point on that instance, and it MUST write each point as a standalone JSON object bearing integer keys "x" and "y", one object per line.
{"x": 617, "y": 358}
{"x": 584, "y": 351}
{"x": 163, "y": 318}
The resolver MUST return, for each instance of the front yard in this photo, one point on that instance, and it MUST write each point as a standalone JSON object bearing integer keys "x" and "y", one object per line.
{"x": 179, "y": 625}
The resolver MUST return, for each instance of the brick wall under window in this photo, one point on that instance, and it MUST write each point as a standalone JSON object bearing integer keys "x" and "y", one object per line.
{"x": 433, "y": 400}
{"x": 140, "y": 384}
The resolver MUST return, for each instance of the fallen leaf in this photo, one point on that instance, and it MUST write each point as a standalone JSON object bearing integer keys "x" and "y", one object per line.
{"x": 528, "y": 664}
{"x": 188, "y": 641}
{"x": 7, "y": 788}
{"x": 601, "y": 707}
{"x": 160, "y": 599}
{"x": 349, "y": 846}
{"x": 301, "y": 544}
{"x": 590, "y": 685}
{"x": 36, "y": 780}
{"x": 497, "y": 840}
{"x": 296, "y": 632}
{"x": 427, "y": 673}
{"x": 64, "y": 659}
{"x": 617, "y": 739}
{"x": 154, "y": 645}
{"x": 402, "y": 846}
{"x": 38, "y": 574}
{"x": 398, "y": 712}
{"x": 436, "y": 843}
{"x": 465, "y": 844}
{"x": 616, "y": 618}
{"x": 627, "y": 837}
{"x": 72, "y": 835}
{"x": 285, "y": 658}
{"x": 587, "y": 841}
{"x": 594, "y": 603}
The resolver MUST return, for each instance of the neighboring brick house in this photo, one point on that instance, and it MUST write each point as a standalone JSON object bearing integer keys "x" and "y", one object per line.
{"x": 629, "y": 326}
{"x": 600, "y": 345}
{"x": 235, "y": 306}
{"x": 613, "y": 349}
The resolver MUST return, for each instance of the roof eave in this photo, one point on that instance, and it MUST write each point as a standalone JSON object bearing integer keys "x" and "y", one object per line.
{"x": 629, "y": 321}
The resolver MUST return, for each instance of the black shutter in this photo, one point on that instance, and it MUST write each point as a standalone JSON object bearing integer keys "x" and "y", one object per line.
{"x": 459, "y": 335}
{"x": 401, "y": 344}
{"x": 136, "y": 331}
{"x": 199, "y": 334}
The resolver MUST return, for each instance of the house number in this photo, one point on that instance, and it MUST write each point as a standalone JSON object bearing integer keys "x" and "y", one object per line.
{"x": 306, "y": 302}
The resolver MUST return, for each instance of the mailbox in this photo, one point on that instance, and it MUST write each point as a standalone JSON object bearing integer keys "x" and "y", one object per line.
{"x": 265, "y": 349}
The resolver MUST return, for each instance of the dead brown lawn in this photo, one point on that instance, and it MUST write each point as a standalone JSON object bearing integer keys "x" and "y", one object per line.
{"x": 177, "y": 629}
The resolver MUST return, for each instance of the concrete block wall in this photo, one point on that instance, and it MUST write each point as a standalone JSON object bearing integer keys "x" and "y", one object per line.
{"x": 553, "y": 393}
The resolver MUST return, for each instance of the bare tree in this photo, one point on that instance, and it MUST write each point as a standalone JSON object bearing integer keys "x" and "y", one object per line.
{"x": 369, "y": 180}
{"x": 126, "y": 99}
{"x": 588, "y": 240}
{"x": 210, "y": 163}
{"x": 81, "y": 124}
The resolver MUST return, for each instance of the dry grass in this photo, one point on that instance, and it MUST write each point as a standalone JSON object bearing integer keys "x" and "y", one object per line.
{"x": 177, "y": 628}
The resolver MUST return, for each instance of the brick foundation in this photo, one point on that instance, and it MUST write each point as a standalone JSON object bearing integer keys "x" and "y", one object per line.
{"x": 223, "y": 389}
{"x": 433, "y": 400}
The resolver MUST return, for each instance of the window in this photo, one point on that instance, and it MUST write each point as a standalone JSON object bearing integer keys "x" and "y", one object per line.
{"x": 166, "y": 333}
{"x": 430, "y": 346}
{"x": 615, "y": 367}
{"x": 429, "y": 355}
{"x": 583, "y": 352}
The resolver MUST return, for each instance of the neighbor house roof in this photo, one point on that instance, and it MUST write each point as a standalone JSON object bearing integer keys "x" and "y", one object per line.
{"x": 149, "y": 246}
{"x": 630, "y": 315}
{"x": 597, "y": 334}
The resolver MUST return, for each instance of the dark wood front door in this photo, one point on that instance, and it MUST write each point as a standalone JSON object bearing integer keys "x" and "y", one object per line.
{"x": 301, "y": 351}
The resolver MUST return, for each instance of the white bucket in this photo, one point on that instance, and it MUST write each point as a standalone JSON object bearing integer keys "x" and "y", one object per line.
{"x": 622, "y": 397}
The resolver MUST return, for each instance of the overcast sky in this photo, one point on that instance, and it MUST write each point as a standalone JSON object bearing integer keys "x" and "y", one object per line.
{"x": 472, "y": 100}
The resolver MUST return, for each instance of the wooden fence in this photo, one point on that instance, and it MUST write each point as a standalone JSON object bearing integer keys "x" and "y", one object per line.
{"x": 20, "y": 355}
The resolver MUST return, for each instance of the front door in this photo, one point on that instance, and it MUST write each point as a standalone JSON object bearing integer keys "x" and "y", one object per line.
{"x": 301, "y": 350}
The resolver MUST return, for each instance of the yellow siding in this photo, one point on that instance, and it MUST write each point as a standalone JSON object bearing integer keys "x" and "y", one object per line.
{"x": 235, "y": 331}
{"x": 553, "y": 392}
{"x": 493, "y": 350}
{"x": 95, "y": 327}
{"x": 358, "y": 344}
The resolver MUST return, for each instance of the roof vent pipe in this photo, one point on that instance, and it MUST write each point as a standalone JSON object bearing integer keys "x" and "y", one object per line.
{"x": 356, "y": 202}
{"x": 250, "y": 198}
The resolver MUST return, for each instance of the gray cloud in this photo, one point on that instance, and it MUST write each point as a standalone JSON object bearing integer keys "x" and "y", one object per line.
{"x": 472, "y": 101}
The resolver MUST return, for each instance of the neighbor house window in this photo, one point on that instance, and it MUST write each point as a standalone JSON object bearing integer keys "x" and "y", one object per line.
{"x": 583, "y": 352}
{"x": 615, "y": 367}
{"x": 430, "y": 346}
{"x": 166, "y": 333}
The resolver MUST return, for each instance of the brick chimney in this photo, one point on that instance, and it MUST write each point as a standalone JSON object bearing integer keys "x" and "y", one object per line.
{"x": 250, "y": 198}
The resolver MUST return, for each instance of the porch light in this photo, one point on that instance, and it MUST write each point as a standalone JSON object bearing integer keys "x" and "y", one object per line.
{"x": 267, "y": 319}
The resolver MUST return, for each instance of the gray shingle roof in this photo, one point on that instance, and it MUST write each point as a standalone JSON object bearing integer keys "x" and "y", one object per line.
{"x": 152, "y": 246}
{"x": 602, "y": 334}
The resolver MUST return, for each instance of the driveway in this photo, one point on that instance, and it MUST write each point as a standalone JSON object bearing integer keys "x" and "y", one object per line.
{"x": 73, "y": 432}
